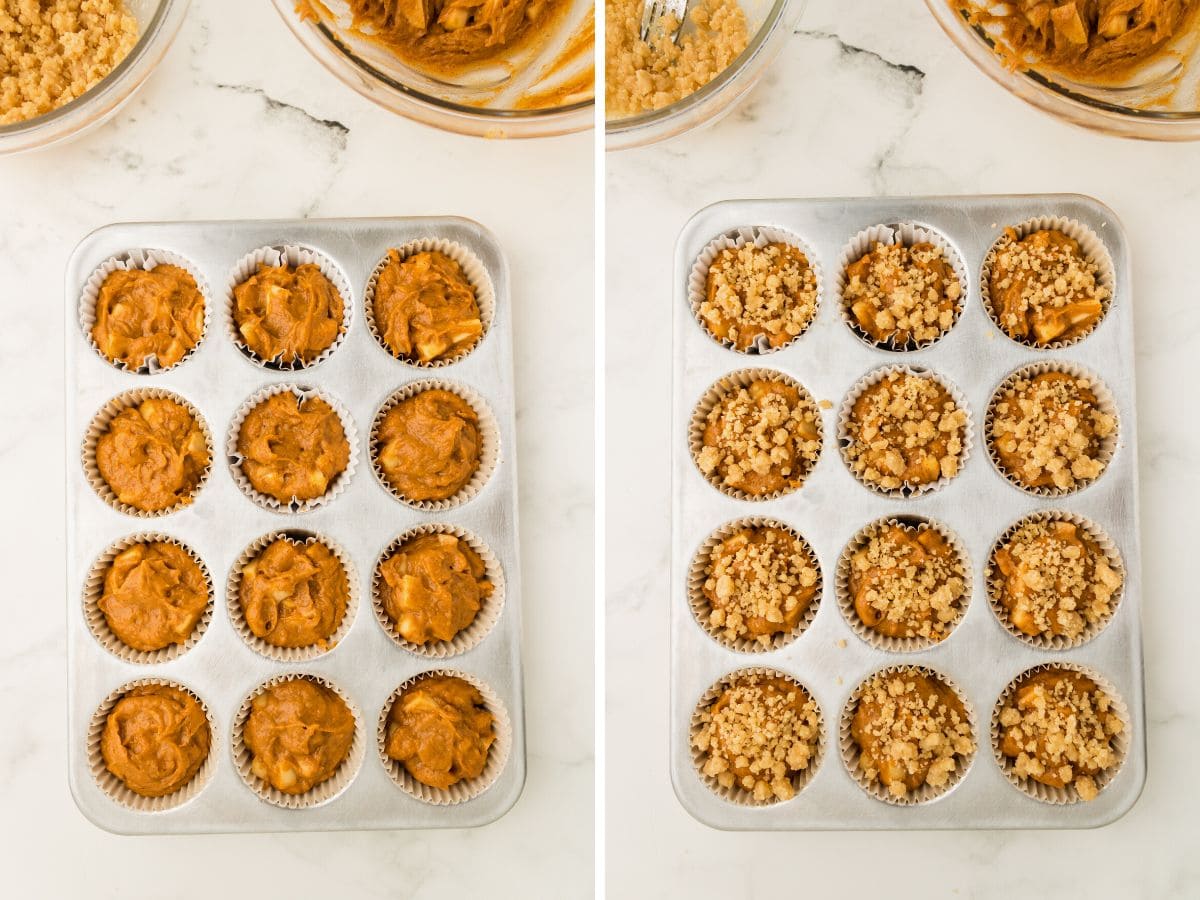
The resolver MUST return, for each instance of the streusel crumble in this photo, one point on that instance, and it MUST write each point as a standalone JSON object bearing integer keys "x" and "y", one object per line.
{"x": 759, "y": 295}
{"x": 761, "y": 735}
{"x": 902, "y": 296}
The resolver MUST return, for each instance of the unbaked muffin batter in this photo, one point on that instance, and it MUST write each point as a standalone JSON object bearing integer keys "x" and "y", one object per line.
{"x": 144, "y": 314}
{"x": 154, "y": 595}
{"x": 288, "y": 313}
{"x": 299, "y": 733}
{"x": 429, "y": 445}
{"x": 293, "y": 448}
{"x": 155, "y": 739}
{"x": 153, "y": 455}
{"x": 441, "y": 731}
{"x": 432, "y": 587}
{"x": 425, "y": 308}
{"x": 294, "y": 593}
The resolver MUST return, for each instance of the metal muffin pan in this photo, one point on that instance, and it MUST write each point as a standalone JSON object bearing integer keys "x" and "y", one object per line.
{"x": 367, "y": 665}
{"x": 978, "y": 505}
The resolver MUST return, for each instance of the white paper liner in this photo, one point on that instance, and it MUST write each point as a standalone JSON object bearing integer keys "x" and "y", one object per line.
{"x": 319, "y": 794}
{"x": 477, "y": 274}
{"x": 485, "y": 619}
{"x": 851, "y": 753}
{"x": 114, "y": 788}
{"x": 99, "y": 426}
{"x": 489, "y": 435}
{"x": 1093, "y": 248}
{"x": 466, "y": 790}
{"x": 702, "y": 608}
{"x": 93, "y": 590}
{"x": 994, "y": 581}
{"x": 301, "y": 392}
{"x": 759, "y": 236}
{"x": 906, "y": 234}
{"x": 1104, "y": 402}
{"x": 906, "y": 491}
{"x": 291, "y": 255}
{"x": 1066, "y": 795}
{"x": 737, "y": 794}
{"x": 145, "y": 259}
{"x": 845, "y": 599}
{"x": 717, "y": 392}
{"x": 237, "y": 617}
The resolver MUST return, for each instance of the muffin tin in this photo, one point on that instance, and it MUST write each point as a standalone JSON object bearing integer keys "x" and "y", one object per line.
{"x": 980, "y": 657}
{"x": 222, "y": 669}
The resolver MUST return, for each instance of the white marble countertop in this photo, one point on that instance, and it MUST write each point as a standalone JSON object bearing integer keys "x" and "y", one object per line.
{"x": 240, "y": 122}
{"x": 869, "y": 97}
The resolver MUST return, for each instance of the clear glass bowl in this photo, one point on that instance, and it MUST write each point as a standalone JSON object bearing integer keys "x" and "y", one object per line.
{"x": 770, "y": 22}
{"x": 484, "y": 102}
{"x": 159, "y": 21}
{"x": 1144, "y": 106}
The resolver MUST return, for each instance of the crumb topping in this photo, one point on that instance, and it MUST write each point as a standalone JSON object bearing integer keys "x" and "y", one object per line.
{"x": 761, "y": 439}
{"x": 912, "y": 730}
{"x": 1043, "y": 289}
{"x": 908, "y": 582}
{"x": 903, "y": 295}
{"x": 1059, "y": 729}
{"x": 759, "y": 735}
{"x": 759, "y": 581}
{"x": 759, "y": 295}
{"x": 1056, "y": 579}
{"x": 906, "y": 430}
{"x": 1048, "y": 430}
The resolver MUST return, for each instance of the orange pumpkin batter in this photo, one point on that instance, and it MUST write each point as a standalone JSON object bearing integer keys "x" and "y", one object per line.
{"x": 440, "y": 730}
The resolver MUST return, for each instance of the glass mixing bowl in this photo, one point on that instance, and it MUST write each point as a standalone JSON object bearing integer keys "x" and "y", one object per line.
{"x": 485, "y": 102}
{"x": 159, "y": 21}
{"x": 1159, "y": 102}
{"x": 769, "y": 22}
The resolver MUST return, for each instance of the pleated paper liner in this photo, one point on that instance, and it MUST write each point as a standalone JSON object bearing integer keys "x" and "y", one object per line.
{"x": 468, "y": 789}
{"x": 292, "y": 255}
{"x": 845, "y": 598}
{"x": 319, "y": 794}
{"x": 99, "y": 427}
{"x": 145, "y": 259}
{"x": 994, "y": 581}
{"x": 906, "y": 491}
{"x": 758, "y": 236}
{"x": 1043, "y": 792}
{"x": 737, "y": 794}
{"x": 489, "y": 434}
{"x": 339, "y": 481}
{"x": 477, "y": 275}
{"x": 1093, "y": 248}
{"x": 1105, "y": 403}
{"x": 93, "y": 590}
{"x": 906, "y": 234}
{"x": 237, "y": 616}
{"x": 485, "y": 619}
{"x": 114, "y": 788}
{"x": 702, "y": 607}
{"x": 716, "y": 393}
{"x": 851, "y": 754}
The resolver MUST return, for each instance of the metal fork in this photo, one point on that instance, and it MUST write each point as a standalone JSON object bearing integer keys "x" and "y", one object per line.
{"x": 655, "y": 10}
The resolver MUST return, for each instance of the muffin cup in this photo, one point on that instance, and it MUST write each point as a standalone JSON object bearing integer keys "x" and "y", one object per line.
{"x": 322, "y": 793}
{"x": 477, "y": 275}
{"x": 237, "y": 617}
{"x": 736, "y": 794}
{"x": 702, "y": 607}
{"x": 1094, "y": 249}
{"x": 465, "y": 790}
{"x": 489, "y": 434}
{"x": 485, "y": 619}
{"x": 1044, "y": 792}
{"x": 144, "y": 259}
{"x": 99, "y": 426}
{"x": 112, "y": 786}
{"x": 235, "y": 457}
{"x": 906, "y": 234}
{"x": 93, "y": 590}
{"x": 907, "y": 491}
{"x": 994, "y": 583}
{"x": 759, "y": 236}
{"x": 845, "y": 598}
{"x": 851, "y": 754}
{"x": 717, "y": 392}
{"x": 291, "y": 255}
{"x": 1104, "y": 402}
